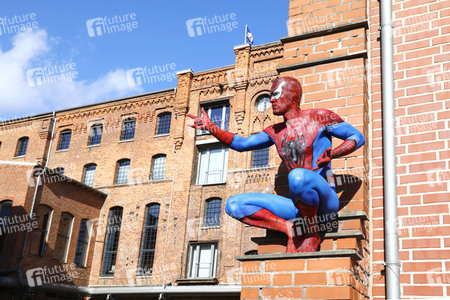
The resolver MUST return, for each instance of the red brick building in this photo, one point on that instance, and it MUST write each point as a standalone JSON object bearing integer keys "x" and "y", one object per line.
{"x": 152, "y": 191}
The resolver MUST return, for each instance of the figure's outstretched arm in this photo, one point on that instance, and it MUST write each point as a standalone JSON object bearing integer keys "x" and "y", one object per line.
{"x": 353, "y": 139}
{"x": 236, "y": 142}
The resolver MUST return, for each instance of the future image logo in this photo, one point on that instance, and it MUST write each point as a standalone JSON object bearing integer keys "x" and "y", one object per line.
{"x": 18, "y": 23}
{"x": 54, "y": 274}
{"x": 109, "y": 25}
{"x": 51, "y": 74}
{"x": 153, "y": 74}
{"x": 208, "y": 25}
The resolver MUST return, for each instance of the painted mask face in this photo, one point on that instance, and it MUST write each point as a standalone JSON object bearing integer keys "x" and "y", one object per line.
{"x": 285, "y": 95}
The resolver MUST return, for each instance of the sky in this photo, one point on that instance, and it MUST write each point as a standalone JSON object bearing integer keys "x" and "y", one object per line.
{"x": 61, "y": 54}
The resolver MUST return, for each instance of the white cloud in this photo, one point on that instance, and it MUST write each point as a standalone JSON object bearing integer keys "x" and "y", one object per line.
{"x": 32, "y": 49}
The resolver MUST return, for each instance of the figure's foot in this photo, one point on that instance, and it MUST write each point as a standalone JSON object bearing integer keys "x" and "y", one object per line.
{"x": 294, "y": 242}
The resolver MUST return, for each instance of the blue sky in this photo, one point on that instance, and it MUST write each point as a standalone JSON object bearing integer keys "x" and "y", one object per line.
{"x": 69, "y": 58}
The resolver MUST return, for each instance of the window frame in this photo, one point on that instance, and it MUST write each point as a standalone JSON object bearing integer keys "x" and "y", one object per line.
{"x": 43, "y": 236}
{"x": 5, "y": 211}
{"x": 113, "y": 228}
{"x": 63, "y": 141}
{"x": 20, "y": 146}
{"x": 83, "y": 180}
{"x": 65, "y": 237}
{"x": 82, "y": 248}
{"x": 211, "y": 208}
{"x": 118, "y": 171}
{"x": 144, "y": 270}
{"x": 126, "y": 129}
{"x": 166, "y": 127}
{"x": 156, "y": 164}
{"x": 93, "y": 135}
{"x": 225, "y": 119}
{"x": 193, "y": 269}
{"x": 256, "y": 157}
{"x": 224, "y": 157}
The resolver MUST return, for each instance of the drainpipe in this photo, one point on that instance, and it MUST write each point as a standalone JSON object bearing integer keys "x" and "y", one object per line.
{"x": 38, "y": 183}
{"x": 392, "y": 263}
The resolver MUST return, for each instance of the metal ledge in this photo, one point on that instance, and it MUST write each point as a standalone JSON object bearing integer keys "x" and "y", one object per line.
{"x": 328, "y": 60}
{"x": 331, "y": 30}
{"x": 352, "y": 253}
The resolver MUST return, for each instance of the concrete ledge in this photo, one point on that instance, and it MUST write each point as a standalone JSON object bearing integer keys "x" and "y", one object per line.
{"x": 352, "y": 253}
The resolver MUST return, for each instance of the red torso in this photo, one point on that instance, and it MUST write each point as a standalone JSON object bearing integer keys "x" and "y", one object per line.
{"x": 294, "y": 138}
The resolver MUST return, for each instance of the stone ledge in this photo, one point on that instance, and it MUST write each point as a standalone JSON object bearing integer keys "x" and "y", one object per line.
{"x": 352, "y": 253}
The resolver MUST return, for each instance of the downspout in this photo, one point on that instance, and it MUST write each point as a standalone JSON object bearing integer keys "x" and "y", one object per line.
{"x": 392, "y": 263}
{"x": 38, "y": 183}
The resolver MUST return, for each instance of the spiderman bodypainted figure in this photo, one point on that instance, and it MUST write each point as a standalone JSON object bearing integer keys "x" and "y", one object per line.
{"x": 303, "y": 142}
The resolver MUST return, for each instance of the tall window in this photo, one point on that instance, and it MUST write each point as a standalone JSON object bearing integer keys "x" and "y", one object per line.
{"x": 39, "y": 239}
{"x": 123, "y": 166}
{"x": 212, "y": 165}
{"x": 158, "y": 167}
{"x": 128, "y": 127}
{"x": 59, "y": 170}
{"x": 82, "y": 244}
{"x": 202, "y": 261}
{"x": 163, "y": 125}
{"x": 88, "y": 174}
{"x": 149, "y": 239}
{"x": 22, "y": 145}
{"x": 212, "y": 212}
{"x": 219, "y": 115}
{"x": 5, "y": 211}
{"x": 112, "y": 241}
{"x": 63, "y": 236}
{"x": 64, "y": 139}
{"x": 95, "y": 137}
{"x": 260, "y": 158}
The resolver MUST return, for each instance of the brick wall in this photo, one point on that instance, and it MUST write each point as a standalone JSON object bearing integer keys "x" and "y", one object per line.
{"x": 422, "y": 83}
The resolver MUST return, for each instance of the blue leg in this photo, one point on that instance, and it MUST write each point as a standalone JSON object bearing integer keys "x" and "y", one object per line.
{"x": 244, "y": 205}
{"x": 313, "y": 190}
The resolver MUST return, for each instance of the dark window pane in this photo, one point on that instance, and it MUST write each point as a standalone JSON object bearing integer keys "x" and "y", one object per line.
{"x": 95, "y": 136}
{"x": 39, "y": 237}
{"x": 112, "y": 241}
{"x": 212, "y": 212}
{"x": 63, "y": 236}
{"x": 163, "y": 126}
{"x": 64, "y": 140}
{"x": 88, "y": 174}
{"x": 128, "y": 127}
{"x": 22, "y": 146}
{"x": 149, "y": 240}
{"x": 260, "y": 158}
{"x": 82, "y": 244}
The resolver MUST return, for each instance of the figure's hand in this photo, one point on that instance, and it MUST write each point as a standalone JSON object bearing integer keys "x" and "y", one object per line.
{"x": 202, "y": 122}
{"x": 324, "y": 159}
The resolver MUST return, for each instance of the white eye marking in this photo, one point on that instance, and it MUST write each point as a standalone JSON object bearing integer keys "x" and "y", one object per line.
{"x": 278, "y": 91}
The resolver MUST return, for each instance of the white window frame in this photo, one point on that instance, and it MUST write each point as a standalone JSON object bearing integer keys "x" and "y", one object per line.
{"x": 194, "y": 260}
{"x": 204, "y": 180}
{"x": 208, "y": 109}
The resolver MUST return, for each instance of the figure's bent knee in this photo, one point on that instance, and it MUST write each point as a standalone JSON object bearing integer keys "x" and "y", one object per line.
{"x": 297, "y": 180}
{"x": 232, "y": 206}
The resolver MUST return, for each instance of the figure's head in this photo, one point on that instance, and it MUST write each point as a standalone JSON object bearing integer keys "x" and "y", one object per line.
{"x": 285, "y": 95}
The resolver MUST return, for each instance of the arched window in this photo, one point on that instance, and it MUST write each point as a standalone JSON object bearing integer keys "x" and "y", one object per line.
{"x": 22, "y": 145}
{"x": 88, "y": 174}
{"x": 149, "y": 239}
{"x": 212, "y": 212}
{"x": 63, "y": 236}
{"x": 262, "y": 102}
{"x": 64, "y": 139}
{"x": 82, "y": 244}
{"x": 39, "y": 239}
{"x": 163, "y": 125}
{"x": 59, "y": 170}
{"x": 123, "y": 166}
{"x": 5, "y": 212}
{"x": 95, "y": 136}
{"x": 158, "y": 167}
{"x": 128, "y": 127}
{"x": 112, "y": 241}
